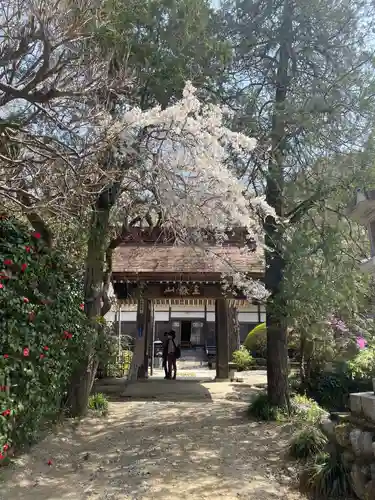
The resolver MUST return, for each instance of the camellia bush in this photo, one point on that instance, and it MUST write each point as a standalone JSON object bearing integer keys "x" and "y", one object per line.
{"x": 44, "y": 333}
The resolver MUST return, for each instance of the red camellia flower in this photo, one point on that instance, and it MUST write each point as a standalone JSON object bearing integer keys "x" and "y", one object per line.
{"x": 68, "y": 335}
{"x": 1, "y": 456}
{"x": 6, "y": 447}
{"x": 37, "y": 235}
{"x": 26, "y": 352}
{"x": 45, "y": 348}
{"x": 49, "y": 462}
{"x": 8, "y": 262}
{"x": 26, "y": 300}
{"x": 41, "y": 356}
{"x": 28, "y": 249}
{"x": 23, "y": 267}
{"x": 6, "y": 356}
{"x": 1, "y": 285}
{"x": 82, "y": 307}
{"x": 4, "y": 387}
{"x": 5, "y": 413}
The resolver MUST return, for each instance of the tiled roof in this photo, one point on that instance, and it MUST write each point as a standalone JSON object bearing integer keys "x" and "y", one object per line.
{"x": 148, "y": 259}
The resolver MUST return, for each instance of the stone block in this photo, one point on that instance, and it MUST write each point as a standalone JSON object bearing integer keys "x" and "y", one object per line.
{"x": 356, "y": 403}
{"x": 328, "y": 428}
{"x": 362, "y": 443}
{"x": 369, "y": 491}
{"x": 348, "y": 458}
{"x": 372, "y": 470}
{"x": 359, "y": 480}
{"x": 366, "y": 443}
{"x": 368, "y": 406}
{"x": 355, "y": 441}
{"x": 342, "y": 433}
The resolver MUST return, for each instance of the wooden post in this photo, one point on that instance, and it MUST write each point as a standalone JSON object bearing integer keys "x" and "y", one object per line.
{"x": 138, "y": 367}
{"x": 147, "y": 334}
{"x": 222, "y": 339}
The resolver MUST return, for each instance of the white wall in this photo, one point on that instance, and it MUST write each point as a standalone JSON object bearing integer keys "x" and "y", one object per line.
{"x": 248, "y": 314}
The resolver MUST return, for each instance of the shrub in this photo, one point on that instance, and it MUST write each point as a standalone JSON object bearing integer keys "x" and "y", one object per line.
{"x": 99, "y": 403}
{"x": 260, "y": 362}
{"x": 307, "y": 443}
{"x": 261, "y": 409}
{"x": 327, "y": 477}
{"x": 243, "y": 359}
{"x": 119, "y": 366}
{"x": 362, "y": 366}
{"x": 256, "y": 341}
{"x": 44, "y": 334}
{"x": 331, "y": 389}
{"x": 306, "y": 410}
{"x": 301, "y": 409}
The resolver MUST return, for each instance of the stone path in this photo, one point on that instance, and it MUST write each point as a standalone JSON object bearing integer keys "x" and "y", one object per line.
{"x": 193, "y": 442}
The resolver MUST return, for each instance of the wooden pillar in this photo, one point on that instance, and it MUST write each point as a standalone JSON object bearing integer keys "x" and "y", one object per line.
{"x": 139, "y": 362}
{"x": 148, "y": 333}
{"x": 222, "y": 339}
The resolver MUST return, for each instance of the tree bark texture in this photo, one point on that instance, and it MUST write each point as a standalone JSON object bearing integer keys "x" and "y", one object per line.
{"x": 277, "y": 339}
{"x": 234, "y": 330}
{"x": 222, "y": 339}
{"x": 83, "y": 379}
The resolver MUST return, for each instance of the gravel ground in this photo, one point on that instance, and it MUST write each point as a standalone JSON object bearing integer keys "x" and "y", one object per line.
{"x": 179, "y": 447}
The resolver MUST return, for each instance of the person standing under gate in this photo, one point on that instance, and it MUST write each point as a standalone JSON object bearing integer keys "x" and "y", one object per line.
{"x": 171, "y": 355}
{"x": 165, "y": 354}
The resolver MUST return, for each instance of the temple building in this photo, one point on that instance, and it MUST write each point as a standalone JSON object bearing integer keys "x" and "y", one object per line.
{"x": 162, "y": 286}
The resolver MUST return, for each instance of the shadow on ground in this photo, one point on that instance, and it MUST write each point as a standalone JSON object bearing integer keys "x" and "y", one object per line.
{"x": 155, "y": 389}
{"x": 173, "y": 448}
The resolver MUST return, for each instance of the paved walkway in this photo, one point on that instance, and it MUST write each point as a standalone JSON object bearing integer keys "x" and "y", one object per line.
{"x": 194, "y": 442}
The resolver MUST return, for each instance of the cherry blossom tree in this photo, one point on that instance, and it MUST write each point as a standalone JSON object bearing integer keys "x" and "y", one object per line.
{"x": 75, "y": 147}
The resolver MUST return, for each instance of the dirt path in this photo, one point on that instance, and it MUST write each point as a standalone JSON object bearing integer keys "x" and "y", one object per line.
{"x": 194, "y": 445}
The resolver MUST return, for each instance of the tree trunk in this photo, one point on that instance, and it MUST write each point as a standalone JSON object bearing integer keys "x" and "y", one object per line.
{"x": 83, "y": 378}
{"x": 277, "y": 338}
{"x": 302, "y": 371}
{"x": 234, "y": 330}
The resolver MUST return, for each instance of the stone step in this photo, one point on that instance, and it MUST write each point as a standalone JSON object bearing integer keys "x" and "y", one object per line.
{"x": 363, "y": 404}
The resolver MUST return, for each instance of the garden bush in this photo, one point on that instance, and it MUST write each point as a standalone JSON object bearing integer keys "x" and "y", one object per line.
{"x": 98, "y": 403}
{"x": 362, "y": 366}
{"x": 119, "y": 366}
{"x": 302, "y": 409}
{"x": 307, "y": 443}
{"x": 331, "y": 389}
{"x": 256, "y": 341}
{"x": 243, "y": 359}
{"x": 306, "y": 409}
{"x": 44, "y": 333}
{"x": 261, "y": 409}
{"x": 327, "y": 477}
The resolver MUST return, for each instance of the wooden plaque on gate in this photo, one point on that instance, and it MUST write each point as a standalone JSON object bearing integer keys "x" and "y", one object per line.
{"x": 182, "y": 290}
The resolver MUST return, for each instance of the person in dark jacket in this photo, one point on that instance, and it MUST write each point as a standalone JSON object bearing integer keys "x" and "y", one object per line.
{"x": 165, "y": 354}
{"x": 171, "y": 352}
